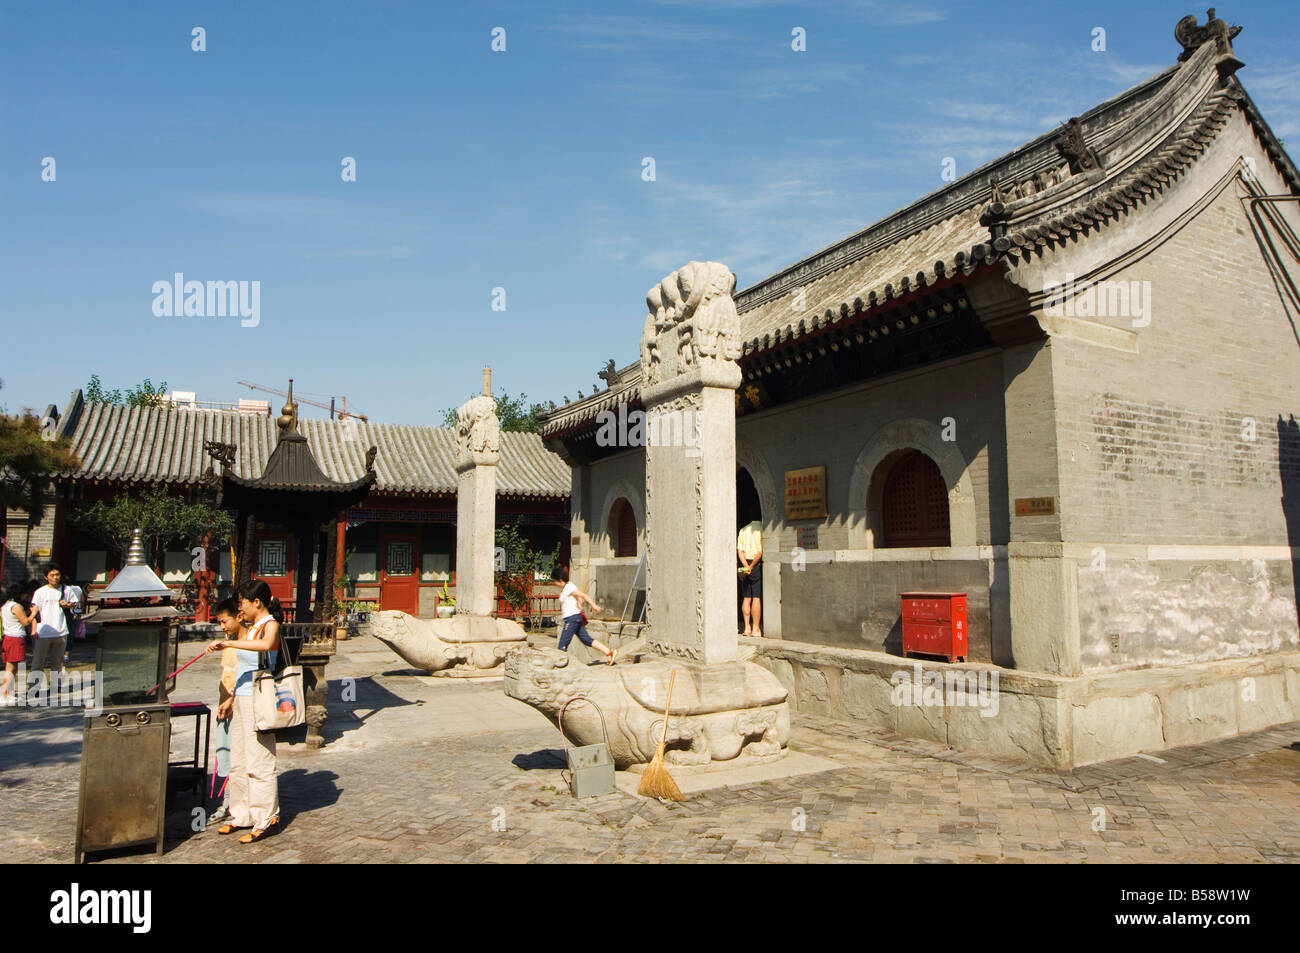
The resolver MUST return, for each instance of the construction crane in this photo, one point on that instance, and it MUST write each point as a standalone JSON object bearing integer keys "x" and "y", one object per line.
{"x": 341, "y": 414}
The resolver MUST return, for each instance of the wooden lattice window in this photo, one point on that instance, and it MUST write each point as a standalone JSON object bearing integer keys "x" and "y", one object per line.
{"x": 915, "y": 505}
{"x": 624, "y": 529}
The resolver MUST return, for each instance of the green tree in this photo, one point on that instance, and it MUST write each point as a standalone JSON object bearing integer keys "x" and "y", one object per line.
{"x": 514, "y": 413}
{"x": 144, "y": 394}
{"x": 517, "y": 563}
{"x": 29, "y": 457}
{"x": 163, "y": 519}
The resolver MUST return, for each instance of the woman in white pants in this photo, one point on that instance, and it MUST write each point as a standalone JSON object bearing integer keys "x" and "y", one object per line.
{"x": 254, "y": 797}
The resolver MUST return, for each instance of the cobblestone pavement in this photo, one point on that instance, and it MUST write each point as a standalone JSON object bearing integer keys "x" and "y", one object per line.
{"x": 420, "y": 769}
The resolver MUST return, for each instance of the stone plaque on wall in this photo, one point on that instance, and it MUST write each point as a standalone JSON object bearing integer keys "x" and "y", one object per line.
{"x": 1036, "y": 506}
{"x": 805, "y": 493}
{"x": 806, "y": 537}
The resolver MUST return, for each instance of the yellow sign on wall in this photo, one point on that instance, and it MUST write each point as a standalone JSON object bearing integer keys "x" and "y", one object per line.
{"x": 805, "y": 493}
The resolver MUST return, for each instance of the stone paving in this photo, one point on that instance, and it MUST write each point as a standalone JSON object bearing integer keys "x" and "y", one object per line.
{"x": 423, "y": 769}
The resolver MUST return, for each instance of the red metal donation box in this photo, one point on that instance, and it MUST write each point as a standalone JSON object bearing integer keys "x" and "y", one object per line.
{"x": 934, "y": 623}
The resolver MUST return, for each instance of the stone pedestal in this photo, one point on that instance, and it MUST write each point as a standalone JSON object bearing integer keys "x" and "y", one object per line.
{"x": 462, "y": 646}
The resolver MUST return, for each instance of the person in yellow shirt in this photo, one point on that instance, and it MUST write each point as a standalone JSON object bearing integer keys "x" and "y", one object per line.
{"x": 227, "y": 615}
{"x": 749, "y": 548}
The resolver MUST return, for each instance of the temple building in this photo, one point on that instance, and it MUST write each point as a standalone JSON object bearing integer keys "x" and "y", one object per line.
{"x": 399, "y": 541}
{"x": 1064, "y": 385}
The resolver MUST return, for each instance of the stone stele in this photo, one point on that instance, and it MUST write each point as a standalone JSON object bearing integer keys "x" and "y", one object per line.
{"x": 729, "y": 707}
{"x": 472, "y": 642}
{"x": 478, "y": 448}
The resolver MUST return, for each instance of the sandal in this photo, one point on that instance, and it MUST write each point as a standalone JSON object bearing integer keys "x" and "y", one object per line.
{"x": 228, "y": 829}
{"x": 609, "y": 659}
{"x": 257, "y": 833}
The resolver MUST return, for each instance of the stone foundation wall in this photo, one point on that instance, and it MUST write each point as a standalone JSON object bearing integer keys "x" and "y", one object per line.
{"x": 1230, "y": 603}
{"x": 1050, "y": 720}
{"x": 608, "y": 582}
{"x": 855, "y": 603}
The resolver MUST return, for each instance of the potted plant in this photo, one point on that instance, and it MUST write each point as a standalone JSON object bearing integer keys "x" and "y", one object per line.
{"x": 359, "y": 615}
{"x": 446, "y": 605}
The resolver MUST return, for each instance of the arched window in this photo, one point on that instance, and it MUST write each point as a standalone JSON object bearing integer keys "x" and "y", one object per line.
{"x": 622, "y": 528}
{"x": 915, "y": 505}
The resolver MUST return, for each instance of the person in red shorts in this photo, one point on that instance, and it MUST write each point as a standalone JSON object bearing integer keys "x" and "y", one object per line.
{"x": 18, "y": 618}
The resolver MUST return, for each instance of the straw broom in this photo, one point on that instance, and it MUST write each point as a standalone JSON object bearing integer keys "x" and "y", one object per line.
{"x": 656, "y": 781}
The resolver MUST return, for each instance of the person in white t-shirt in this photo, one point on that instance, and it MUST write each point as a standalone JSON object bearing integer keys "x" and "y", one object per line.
{"x": 575, "y": 623}
{"x": 52, "y": 622}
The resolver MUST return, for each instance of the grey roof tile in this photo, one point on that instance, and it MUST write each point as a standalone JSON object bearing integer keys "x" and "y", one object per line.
{"x": 165, "y": 444}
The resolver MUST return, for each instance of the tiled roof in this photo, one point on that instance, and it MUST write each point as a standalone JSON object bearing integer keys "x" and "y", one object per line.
{"x": 1064, "y": 184}
{"x": 884, "y": 273}
{"x": 165, "y": 444}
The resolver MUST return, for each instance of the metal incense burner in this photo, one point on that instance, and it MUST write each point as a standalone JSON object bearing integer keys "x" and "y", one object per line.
{"x": 124, "y": 746}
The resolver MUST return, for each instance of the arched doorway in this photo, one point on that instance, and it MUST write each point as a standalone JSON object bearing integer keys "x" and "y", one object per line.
{"x": 749, "y": 509}
{"x": 622, "y": 529}
{"x": 914, "y": 505}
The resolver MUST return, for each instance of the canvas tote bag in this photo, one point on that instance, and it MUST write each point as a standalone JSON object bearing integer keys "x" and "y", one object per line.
{"x": 279, "y": 700}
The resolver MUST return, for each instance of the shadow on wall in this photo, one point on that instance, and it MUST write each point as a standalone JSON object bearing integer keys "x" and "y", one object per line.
{"x": 1288, "y": 465}
{"x": 894, "y": 640}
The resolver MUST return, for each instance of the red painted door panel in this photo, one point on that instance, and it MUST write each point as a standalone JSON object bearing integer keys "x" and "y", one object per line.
{"x": 275, "y": 562}
{"x": 399, "y": 576}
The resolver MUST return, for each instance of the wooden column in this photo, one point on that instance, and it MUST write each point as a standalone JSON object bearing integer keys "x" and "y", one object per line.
{"x": 302, "y": 573}
{"x": 247, "y": 548}
{"x": 340, "y": 552}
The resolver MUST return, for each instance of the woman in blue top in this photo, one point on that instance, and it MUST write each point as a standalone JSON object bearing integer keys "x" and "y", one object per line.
{"x": 254, "y": 798}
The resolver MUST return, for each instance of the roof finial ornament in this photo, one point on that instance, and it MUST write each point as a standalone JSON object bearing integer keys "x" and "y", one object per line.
{"x": 1192, "y": 37}
{"x": 609, "y": 375}
{"x": 487, "y": 382}
{"x": 1075, "y": 150}
{"x": 288, "y": 420}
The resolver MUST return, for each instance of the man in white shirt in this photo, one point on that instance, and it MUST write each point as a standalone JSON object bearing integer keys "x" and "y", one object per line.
{"x": 52, "y": 622}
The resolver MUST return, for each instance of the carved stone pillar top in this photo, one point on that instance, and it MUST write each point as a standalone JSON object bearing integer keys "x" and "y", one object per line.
{"x": 478, "y": 434}
{"x": 691, "y": 337}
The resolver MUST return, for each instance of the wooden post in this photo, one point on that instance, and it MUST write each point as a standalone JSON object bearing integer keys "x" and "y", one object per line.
{"x": 340, "y": 538}
{"x": 203, "y": 581}
{"x": 302, "y": 582}
{"x": 247, "y": 549}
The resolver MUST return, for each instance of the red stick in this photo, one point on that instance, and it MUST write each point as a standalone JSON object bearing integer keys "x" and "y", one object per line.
{"x": 178, "y": 671}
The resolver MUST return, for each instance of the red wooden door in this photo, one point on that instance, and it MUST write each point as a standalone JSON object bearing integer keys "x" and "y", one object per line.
{"x": 399, "y": 576}
{"x": 275, "y": 560}
{"x": 915, "y": 504}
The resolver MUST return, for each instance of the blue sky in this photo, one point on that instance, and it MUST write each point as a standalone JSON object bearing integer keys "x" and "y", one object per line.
{"x": 477, "y": 169}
